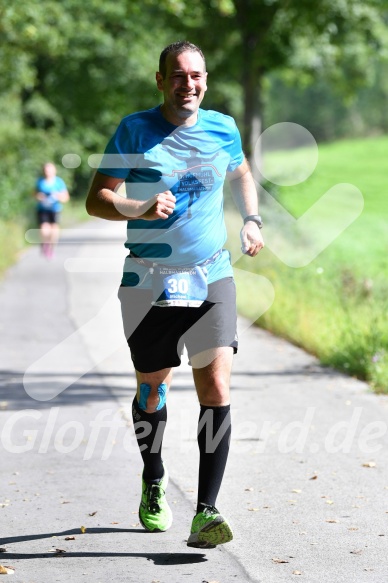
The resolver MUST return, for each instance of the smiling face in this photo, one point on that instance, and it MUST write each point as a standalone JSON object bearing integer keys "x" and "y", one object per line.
{"x": 183, "y": 87}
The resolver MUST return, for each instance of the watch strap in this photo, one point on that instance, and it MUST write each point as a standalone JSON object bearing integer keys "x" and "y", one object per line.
{"x": 255, "y": 218}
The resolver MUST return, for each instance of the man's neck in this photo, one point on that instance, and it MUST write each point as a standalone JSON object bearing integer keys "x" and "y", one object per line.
{"x": 178, "y": 121}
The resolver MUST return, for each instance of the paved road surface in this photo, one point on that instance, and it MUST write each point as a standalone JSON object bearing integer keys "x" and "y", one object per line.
{"x": 306, "y": 486}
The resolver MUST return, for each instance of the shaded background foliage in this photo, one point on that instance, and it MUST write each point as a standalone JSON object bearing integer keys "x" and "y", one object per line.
{"x": 70, "y": 70}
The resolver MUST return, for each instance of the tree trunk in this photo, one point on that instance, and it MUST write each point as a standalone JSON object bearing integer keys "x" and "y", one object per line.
{"x": 255, "y": 19}
{"x": 252, "y": 119}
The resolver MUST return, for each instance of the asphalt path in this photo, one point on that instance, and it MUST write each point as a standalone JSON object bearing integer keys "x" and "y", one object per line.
{"x": 306, "y": 485}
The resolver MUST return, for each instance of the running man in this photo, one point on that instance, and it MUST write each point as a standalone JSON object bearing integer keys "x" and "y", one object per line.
{"x": 177, "y": 287}
{"x": 50, "y": 193}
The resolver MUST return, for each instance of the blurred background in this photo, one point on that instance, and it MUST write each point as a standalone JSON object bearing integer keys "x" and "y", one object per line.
{"x": 70, "y": 70}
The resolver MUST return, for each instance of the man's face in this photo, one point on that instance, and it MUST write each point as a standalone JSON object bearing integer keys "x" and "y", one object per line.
{"x": 49, "y": 170}
{"x": 183, "y": 87}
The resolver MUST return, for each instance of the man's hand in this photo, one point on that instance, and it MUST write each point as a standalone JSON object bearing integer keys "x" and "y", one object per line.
{"x": 160, "y": 206}
{"x": 251, "y": 239}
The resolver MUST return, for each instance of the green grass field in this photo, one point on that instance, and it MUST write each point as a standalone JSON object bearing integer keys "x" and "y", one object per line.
{"x": 335, "y": 306}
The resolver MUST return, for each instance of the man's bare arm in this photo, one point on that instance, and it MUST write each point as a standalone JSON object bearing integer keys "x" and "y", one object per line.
{"x": 104, "y": 202}
{"x": 245, "y": 196}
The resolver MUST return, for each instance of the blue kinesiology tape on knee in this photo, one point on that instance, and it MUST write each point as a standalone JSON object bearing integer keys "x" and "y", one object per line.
{"x": 144, "y": 393}
{"x": 162, "y": 392}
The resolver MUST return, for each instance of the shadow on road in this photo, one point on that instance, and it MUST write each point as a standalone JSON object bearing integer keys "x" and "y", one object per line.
{"x": 157, "y": 558}
{"x": 90, "y": 388}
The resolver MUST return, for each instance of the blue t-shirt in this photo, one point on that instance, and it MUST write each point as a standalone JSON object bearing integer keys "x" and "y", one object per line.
{"x": 49, "y": 188}
{"x": 152, "y": 155}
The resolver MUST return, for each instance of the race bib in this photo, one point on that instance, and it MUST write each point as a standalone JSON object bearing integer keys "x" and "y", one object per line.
{"x": 179, "y": 286}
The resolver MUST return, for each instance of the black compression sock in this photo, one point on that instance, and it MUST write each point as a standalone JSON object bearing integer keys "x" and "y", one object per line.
{"x": 214, "y": 430}
{"x": 149, "y": 430}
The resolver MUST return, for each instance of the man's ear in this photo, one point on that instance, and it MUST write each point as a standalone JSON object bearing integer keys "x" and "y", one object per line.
{"x": 159, "y": 81}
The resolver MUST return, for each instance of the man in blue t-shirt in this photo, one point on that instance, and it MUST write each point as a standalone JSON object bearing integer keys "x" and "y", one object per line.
{"x": 50, "y": 193}
{"x": 163, "y": 171}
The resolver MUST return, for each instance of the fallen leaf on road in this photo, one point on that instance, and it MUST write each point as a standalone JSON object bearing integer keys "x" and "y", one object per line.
{"x": 296, "y": 491}
{"x": 83, "y": 529}
{"x": 248, "y": 489}
{"x": 353, "y": 528}
{"x": 315, "y": 477}
{"x": 357, "y": 552}
{"x": 5, "y": 570}
{"x": 65, "y": 502}
{"x": 369, "y": 465}
{"x": 118, "y": 522}
{"x": 332, "y": 520}
{"x": 57, "y": 551}
{"x": 69, "y": 537}
{"x": 277, "y": 560}
{"x": 93, "y": 513}
{"x": 296, "y": 572}
{"x": 329, "y": 502}
{"x": 252, "y": 509}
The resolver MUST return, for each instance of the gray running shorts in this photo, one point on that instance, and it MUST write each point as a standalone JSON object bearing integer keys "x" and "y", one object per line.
{"x": 156, "y": 336}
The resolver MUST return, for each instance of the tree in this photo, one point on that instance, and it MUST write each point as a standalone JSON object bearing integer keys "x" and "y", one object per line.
{"x": 250, "y": 38}
{"x": 68, "y": 71}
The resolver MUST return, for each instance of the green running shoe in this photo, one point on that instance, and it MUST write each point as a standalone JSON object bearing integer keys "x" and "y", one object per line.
{"x": 209, "y": 529}
{"x": 154, "y": 512}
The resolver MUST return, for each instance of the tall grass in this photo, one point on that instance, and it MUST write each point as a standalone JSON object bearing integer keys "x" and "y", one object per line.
{"x": 336, "y": 307}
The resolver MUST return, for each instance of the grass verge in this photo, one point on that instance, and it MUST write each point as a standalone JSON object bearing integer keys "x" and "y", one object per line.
{"x": 336, "y": 306}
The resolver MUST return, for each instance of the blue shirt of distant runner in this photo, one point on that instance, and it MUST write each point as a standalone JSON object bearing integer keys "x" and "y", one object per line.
{"x": 48, "y": 187}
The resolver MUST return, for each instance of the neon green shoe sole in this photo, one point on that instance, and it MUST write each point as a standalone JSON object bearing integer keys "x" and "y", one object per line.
{"x": 154, "y": 512}
{"x": 209, "y": 529}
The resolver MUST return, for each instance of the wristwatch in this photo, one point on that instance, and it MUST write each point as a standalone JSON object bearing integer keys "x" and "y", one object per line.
{"x": 255, "y": 218}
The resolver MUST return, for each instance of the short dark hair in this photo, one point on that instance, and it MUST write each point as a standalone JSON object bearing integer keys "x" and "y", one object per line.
{"x": 176, "y": 49}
